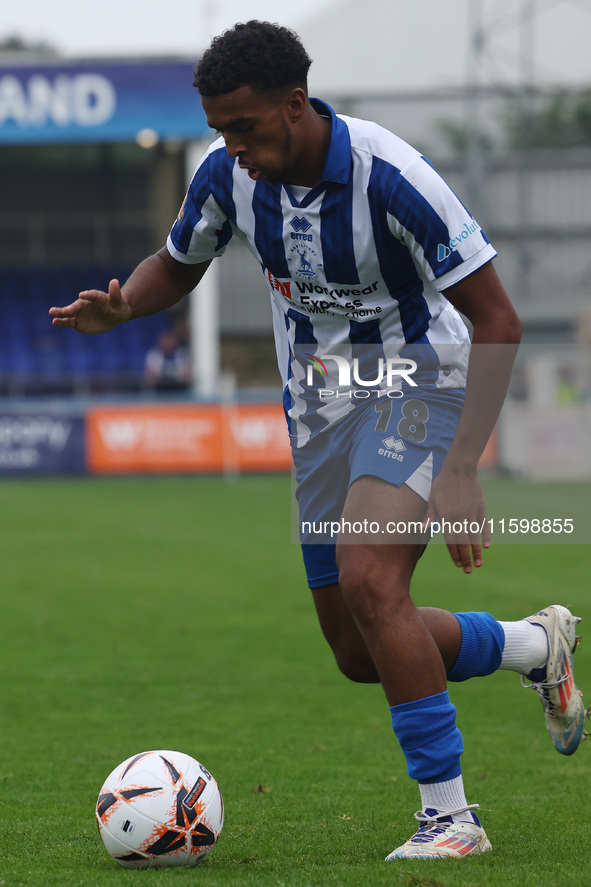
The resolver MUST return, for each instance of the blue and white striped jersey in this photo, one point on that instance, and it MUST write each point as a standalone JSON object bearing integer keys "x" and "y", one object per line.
{"x": 361, "y": 259}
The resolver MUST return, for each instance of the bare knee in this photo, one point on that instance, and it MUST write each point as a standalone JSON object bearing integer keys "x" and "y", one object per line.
{"x": 373, "y": 587}
{"x": 342, "y": 634}
{"x": 350, "y": 652}
{"x": 356, "y": 665}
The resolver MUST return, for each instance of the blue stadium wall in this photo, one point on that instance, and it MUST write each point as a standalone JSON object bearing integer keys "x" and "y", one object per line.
{"x": 64, "y": 128}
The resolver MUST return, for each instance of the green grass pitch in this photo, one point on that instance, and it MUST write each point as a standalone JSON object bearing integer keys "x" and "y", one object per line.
{"x": 173, "y": 613}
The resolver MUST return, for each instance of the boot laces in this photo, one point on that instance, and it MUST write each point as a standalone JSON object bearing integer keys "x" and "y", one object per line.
{"x": 432, "y": 825}
{"x": 542, "y": 688}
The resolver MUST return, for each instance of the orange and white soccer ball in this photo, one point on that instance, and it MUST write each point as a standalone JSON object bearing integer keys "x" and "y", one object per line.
{"x": 160, "y": 808}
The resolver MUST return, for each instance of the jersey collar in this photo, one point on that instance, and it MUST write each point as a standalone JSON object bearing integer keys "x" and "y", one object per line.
{"x": 337, "y": 167}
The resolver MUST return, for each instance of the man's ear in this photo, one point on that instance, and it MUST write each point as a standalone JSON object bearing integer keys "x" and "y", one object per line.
{"x": 296, "y": 102}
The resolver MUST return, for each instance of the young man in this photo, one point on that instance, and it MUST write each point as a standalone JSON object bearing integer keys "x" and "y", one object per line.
{"x": 370, "y": 258}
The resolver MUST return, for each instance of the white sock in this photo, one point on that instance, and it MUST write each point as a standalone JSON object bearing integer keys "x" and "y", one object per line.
{"x": 526, "y": 646}
{"x": 443, "y": 796}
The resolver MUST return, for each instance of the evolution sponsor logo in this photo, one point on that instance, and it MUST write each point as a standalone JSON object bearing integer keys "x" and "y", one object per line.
{"x": 445, "y": 250}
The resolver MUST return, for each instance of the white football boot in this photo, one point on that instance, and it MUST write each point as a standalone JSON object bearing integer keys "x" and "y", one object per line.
{"x": 563, "y": 706}
{"x": 442, "y": 835}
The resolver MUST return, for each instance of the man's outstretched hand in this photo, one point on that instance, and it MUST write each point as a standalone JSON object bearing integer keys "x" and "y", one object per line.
{"x": 93, "y": 311}
{"x": 457, "y": 507}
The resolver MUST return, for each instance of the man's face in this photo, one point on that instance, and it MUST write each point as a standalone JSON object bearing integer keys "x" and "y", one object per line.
{"x": 257, "y": 130}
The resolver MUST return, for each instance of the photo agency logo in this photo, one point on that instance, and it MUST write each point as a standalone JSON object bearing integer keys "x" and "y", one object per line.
{"x": 358, "y": 377}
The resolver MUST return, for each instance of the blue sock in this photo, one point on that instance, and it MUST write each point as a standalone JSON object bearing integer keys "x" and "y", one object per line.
{"x": 481, "y": 649}
{"x": 427, "y": 732}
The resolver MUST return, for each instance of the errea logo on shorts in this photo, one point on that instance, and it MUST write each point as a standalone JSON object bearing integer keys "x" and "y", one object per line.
{"x": 392, "y": 449}
{"x": 444, "y": 251}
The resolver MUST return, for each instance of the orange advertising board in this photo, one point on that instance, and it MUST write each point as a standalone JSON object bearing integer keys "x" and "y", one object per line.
{"x": 187, "y": 438}
{"x": 195, "y": 438}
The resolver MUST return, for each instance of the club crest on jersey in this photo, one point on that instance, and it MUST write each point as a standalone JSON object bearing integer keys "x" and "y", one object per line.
{"x": 305, "y": 259}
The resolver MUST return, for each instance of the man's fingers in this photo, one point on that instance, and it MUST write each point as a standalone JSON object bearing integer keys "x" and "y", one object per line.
{"x": 115, "y": 293}
{"x": 93, "y": 311}
{"x": 477, "y": 554}
{"x": 67, "y": 317}
{"x": 67, "y": 323}
{"x": 461, "y": 556}
{"x": 62, "y": 312}
{"x": 485, "y": 534}
{"x": 88, "y": 296}
{"x": 74, "y": 307}
{"x": 466, "y": 555}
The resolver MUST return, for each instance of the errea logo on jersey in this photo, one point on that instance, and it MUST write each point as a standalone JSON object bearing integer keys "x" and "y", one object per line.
{"x": 445, "y": 250}
{"x": 300, "y": 224}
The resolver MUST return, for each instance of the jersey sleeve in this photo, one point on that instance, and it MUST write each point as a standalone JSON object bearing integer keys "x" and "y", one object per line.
{"x": 202, "y": 228}
{"x": 445, "y": 240}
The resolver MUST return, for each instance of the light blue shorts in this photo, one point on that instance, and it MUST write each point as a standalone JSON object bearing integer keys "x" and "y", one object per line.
{"x": 400, "y": 440}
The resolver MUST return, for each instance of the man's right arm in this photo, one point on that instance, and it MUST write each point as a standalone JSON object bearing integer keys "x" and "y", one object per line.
{"x": 159, "y": 282}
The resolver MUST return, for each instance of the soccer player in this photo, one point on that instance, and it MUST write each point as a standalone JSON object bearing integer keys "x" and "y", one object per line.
{"x": 371, "y": 261}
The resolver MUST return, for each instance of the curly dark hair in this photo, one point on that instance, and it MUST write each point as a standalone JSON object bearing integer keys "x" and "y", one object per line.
{"x": 267, "y": 57}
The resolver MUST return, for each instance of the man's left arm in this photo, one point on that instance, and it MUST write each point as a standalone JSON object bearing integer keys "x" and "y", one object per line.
{"x": 456, "y": 495}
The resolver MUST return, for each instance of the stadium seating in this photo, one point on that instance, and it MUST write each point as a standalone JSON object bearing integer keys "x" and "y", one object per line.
{"x": 37, "y": 358}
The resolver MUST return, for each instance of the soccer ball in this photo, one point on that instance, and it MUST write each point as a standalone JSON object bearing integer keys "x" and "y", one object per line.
{"x": 160, "y": 808}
